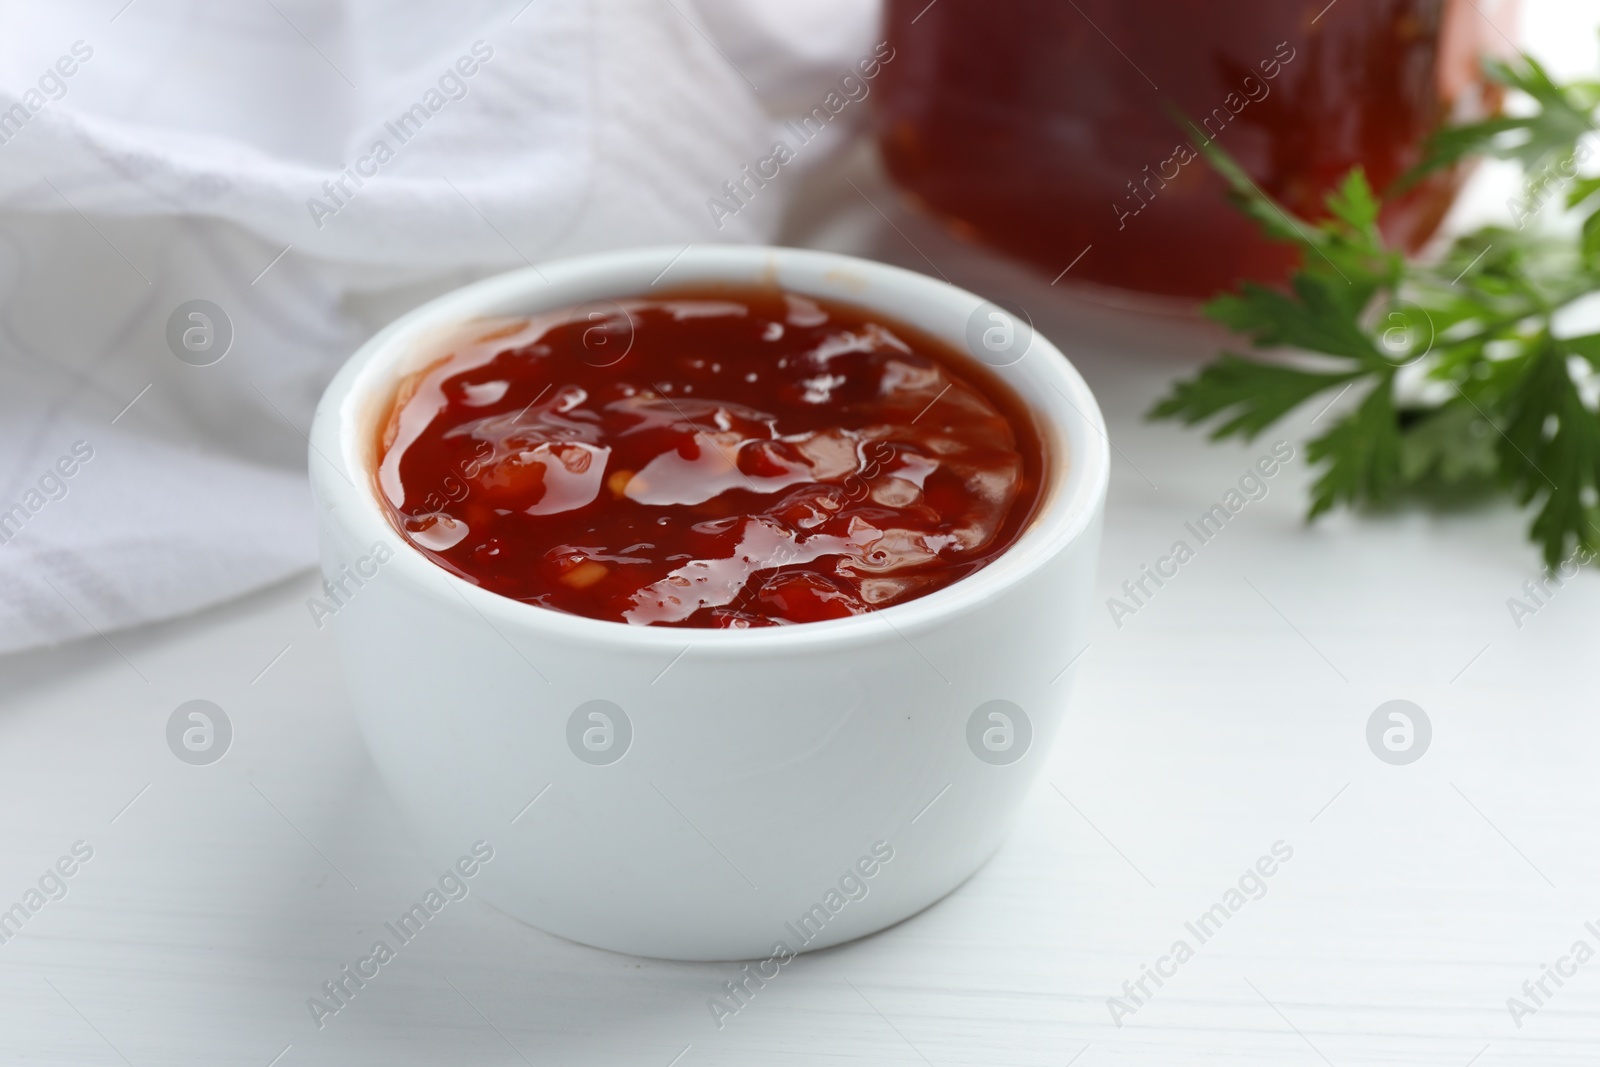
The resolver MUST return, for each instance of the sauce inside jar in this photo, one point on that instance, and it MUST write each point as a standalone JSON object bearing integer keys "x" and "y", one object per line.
{"x": 1047, "y": 129}
{"x": 712, "y": 458}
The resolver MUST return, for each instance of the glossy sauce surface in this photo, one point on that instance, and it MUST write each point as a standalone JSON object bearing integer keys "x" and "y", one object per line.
{"x": 714, "y": 458}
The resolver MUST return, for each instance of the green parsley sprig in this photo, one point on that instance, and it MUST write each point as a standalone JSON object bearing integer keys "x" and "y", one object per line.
{"x": 1464, "y": 382}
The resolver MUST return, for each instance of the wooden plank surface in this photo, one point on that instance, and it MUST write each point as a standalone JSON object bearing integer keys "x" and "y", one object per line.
{"x": 1226, "y": 716}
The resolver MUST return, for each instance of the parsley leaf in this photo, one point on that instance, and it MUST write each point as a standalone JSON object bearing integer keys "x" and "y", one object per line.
{"x": 1361, "y": 452}
{"x": 1564, "y": 113}
{"x": 1496, "y": 396}
{"x": 1253, "y": 394}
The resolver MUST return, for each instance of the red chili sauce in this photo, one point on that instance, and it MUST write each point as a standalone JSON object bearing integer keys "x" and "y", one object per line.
{"x": 714, "y": 458}
{"x": 1047, "y": 129}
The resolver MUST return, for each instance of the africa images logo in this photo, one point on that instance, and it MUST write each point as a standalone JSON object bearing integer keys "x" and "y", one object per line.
{"x": 853, "y": 885}
{"x": 452, "y": 885}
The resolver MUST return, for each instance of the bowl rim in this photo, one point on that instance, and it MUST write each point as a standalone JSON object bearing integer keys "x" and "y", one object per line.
{"x": 1077, "y": 468}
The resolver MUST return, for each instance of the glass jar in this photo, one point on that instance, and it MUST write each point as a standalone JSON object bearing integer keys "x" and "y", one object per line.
{"x": 1047, "y": 129}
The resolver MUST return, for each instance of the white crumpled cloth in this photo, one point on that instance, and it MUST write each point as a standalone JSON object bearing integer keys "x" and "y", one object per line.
{"x": 157, "y": 152}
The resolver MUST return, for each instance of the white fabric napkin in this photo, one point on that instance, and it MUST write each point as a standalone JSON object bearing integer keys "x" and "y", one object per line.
{"x": 154, "y": 153}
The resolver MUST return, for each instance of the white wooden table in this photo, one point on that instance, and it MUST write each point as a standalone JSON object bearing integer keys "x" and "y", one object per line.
{"x": 1227, "y": 715}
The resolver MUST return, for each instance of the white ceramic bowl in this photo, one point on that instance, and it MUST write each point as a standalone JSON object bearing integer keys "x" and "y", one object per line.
{"x": 769, "y": 772}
